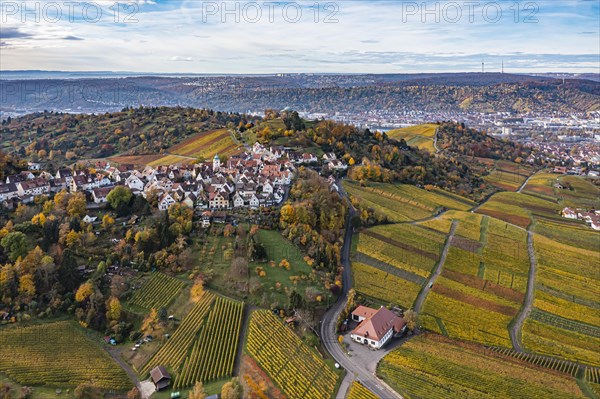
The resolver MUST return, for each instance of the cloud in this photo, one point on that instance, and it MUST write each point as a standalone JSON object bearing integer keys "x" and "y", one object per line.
{"x": 184, "y": 59}
{"x": 369, "y": 36}
{"x": 13, "y": 33}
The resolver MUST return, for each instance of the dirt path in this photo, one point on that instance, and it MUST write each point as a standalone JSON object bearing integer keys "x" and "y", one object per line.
{"x": 515, "y": 330}
{"x": 438, "y": 270}
{"x": 244, "y": 330}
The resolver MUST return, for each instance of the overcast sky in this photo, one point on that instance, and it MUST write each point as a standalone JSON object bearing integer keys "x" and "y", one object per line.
{"x": 193, "y": 36}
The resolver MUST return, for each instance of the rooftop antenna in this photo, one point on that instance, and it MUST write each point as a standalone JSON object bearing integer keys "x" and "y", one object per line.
{"x": 482, "y": 66}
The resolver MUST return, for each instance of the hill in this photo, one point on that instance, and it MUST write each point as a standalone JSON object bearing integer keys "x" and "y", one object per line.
{"x": 420, "y": 136}
{"x": 58, "y": 138}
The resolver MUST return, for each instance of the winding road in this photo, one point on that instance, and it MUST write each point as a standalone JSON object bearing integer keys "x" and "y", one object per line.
{"x": 359, "y": 371}
{"x": 329, "y": 335}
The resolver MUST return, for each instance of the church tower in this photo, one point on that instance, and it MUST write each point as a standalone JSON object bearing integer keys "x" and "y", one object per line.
{"x": 216, "y": 163}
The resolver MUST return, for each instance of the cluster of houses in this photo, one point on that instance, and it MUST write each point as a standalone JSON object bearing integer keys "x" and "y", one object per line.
{"x": 256, "y": 178}
{"x": 576, "y": 171}
{"x": 592, "y": 218}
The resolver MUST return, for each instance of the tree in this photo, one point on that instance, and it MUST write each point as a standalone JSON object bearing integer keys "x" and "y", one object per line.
{"x": 119, "y": 197}
{"x": 84, "y": 291}
{"x": 73, "y": 239}
{"x": 412, "y": 319}
{"x": 87, "y": 391}
{"x": 134, "y": 394}
{"x": 296, "y": 301}
{"x": 113, "y": 309}
{"x": 197, "y": 290}
{"x": 15, "y": 244}
{"x": 26, "y": 285}
{"x": 232, "y": 389}
{"x": 76, "y": 207}
{"x": 39, "y": 219}
{"x": 107, "y": 221}
{"x": 150, "y": 322}
{"x": 198, "y": 391}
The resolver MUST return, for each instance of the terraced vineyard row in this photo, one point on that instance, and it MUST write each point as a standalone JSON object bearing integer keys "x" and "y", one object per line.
{"x": 213, "y": 355}
{"x": 298, "y": 371}
{"x": 404, "y": 202}
{"x": 378, "y": 284}
{"x": 560, "y": 365}
{"x": 159, "y": 291}
{"x": 358, "y": 391}
{"x": 566, "y": 324}
{"x": 175, "y": 350}
{"x": 58, "y": 355}
{"x": 433, "y": 367}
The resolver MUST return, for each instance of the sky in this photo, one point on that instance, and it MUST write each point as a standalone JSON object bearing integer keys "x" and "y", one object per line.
{"x": 253, "y": 37}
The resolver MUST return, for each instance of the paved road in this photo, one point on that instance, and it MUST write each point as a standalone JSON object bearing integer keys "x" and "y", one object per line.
{"x": 525, "y": 183}
{"x": 329, "y": 336}
{"x": 438, "y": 270}
{"x": 515, "y": 330}
{"x": 115, "y": 353}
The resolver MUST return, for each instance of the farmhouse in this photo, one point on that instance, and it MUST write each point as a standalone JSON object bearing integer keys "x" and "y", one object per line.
{"x": 376, "y": 327}
{"x": 160, "y": 377}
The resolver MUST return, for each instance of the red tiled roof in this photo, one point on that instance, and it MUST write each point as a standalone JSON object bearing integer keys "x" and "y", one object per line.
{"x": 379, "y": 324}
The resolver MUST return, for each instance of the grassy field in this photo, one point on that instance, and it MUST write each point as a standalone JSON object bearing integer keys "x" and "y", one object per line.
{"x": 431, "y": 367}
{"x": 276, "y": 285}
{"x": 299, "y": 371}
{"x": 403, "y": 202}
{"x": 421, "y": 136}
{"x": 58, "y": 355}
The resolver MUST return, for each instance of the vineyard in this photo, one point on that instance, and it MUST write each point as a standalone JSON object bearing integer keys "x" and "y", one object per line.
{"x": 403, "y": 202}
{"x": 213, "y": 355}
{"x": 206, "y": 145}
{"x": 358, "y": 391}
{"x": 508, "y": 176}
{"x": 483, "y": 281}
{"x": 377, "y": 284}
{"x": 32, "y": 355}
{"x": 578, "y": 192}
{"x": 433, "y": 367}
{"x": 559, "y": 365}
{"x": 174, "y": 351}
{"x": 565, "y": 321}
{"x": 392, "y": 262}
{"x": 296, "y": 369}
{"x": 521, "y": 209}
{"x": 421, "y": 136}
{"x": 157, "y": 292}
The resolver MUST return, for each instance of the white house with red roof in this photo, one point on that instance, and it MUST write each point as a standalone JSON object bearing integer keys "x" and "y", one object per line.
{"x": 376, "y": 327}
